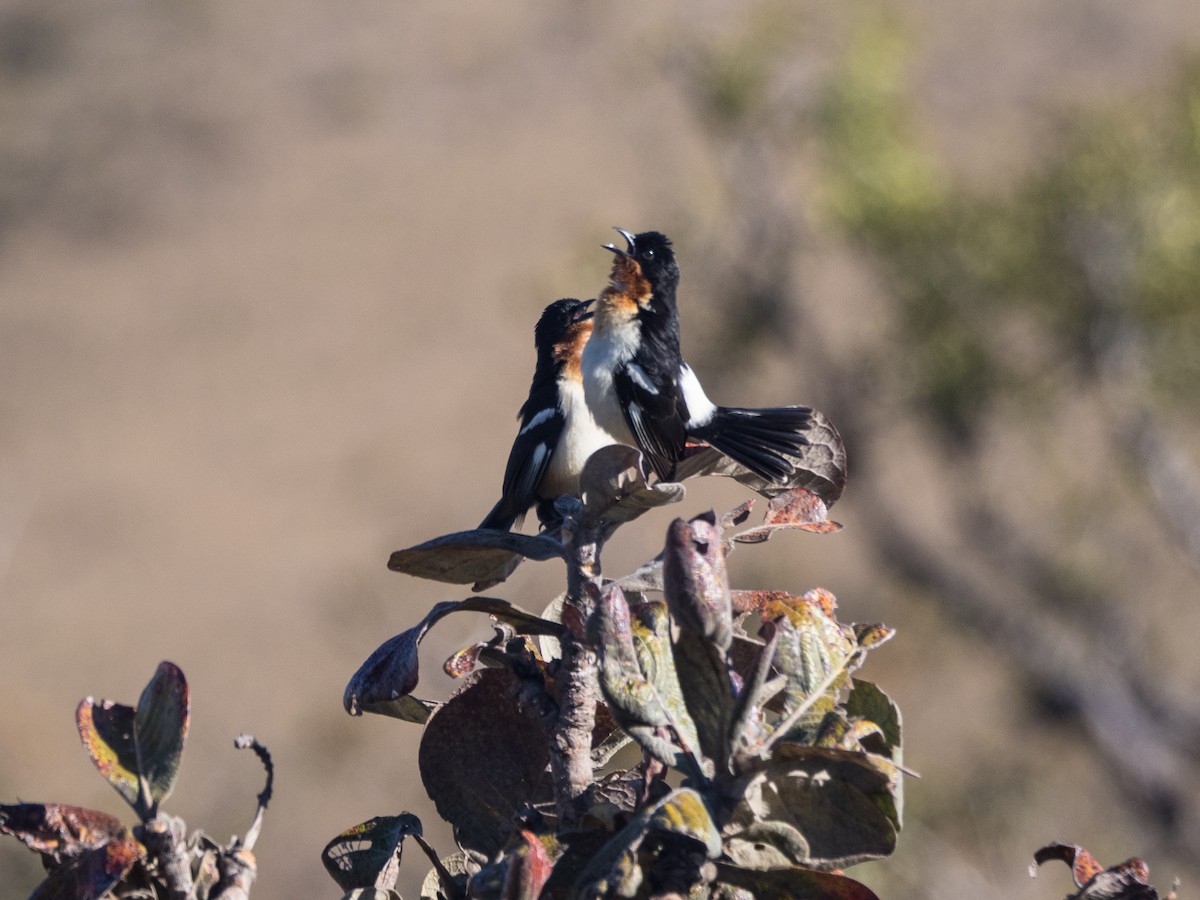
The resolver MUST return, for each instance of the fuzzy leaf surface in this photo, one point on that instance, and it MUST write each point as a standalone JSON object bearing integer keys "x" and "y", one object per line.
{"x": 483, "y": 761}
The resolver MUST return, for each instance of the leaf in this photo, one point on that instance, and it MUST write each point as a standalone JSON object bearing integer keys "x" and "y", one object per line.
{"x": 384, "y": 682}
{"x": 614, "y": 488}
{"x": 1129, "y": 880}
{"x": 163, "y": 716}
{"x": 793, "y": 884}
{"x": 820, "y": 465}
{"x": 367, "y": 856}
{"x": 58, "y": 830}
{"x": 815, "y": 653}
{"x": 840, "y": 801}
{"x": 458, "y": 868}
{"x": 869, "y": 704}
{"x": 694, "y": 579}
{"x": 126, "y": 744}
{"x": 798, "y": 509}
{"x": 616, "y": 869}
{"x": 107, "y": 732}
{"x": 92, "y": 874}
{"x": 484, "y": 555}
{"x": 483, "y": 761}
{"x": 639, "y": 682}
{"x": 519, "y": 873}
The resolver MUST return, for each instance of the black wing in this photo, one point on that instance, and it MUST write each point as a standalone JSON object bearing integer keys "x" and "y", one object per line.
{"x": 650, "y": 400}
{"x": 542, "y": 424}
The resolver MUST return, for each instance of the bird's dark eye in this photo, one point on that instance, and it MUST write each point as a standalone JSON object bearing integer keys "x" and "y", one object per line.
{"x": 649, "y": 254}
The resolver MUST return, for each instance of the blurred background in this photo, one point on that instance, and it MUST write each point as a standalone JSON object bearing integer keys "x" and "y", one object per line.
{"x": 268, "y": 279}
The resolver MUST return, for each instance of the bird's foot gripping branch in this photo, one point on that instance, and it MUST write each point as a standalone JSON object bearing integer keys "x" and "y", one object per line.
{"x": 765, "y": 767}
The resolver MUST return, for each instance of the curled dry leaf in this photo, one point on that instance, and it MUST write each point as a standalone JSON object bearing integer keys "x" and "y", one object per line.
{"x": 797, "y": 509}
{"x": 385, "y": 682}
{"x": 59, "y": 830}
{"x": 1129, "y": 880}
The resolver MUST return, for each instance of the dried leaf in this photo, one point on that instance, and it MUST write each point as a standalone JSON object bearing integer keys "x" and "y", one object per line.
{"x": 367, "y": 856}
{"x": 820, "y": 465}
{"x": 384, "y": 682}
{"x": 483, "y": 761}
{"x": 797, "y": 509}
{"x": 484, "y": 555}
{"x": 58, "y": 830}
{"x": 92, "y": 874}
{"x": 1129, "y": 880}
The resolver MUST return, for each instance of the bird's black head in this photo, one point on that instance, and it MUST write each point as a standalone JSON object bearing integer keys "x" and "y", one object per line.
{"x": 652, "y": 252}
{"x": 556, "y": 321}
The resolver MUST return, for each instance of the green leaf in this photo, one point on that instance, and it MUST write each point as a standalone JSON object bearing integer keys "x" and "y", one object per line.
{"x": 367, "y": 856}
{"x": 128, "y": 745}
{"x": 638, "y": 680}
{"x": 841, "y": 801}
{"x": 162, "y": 719}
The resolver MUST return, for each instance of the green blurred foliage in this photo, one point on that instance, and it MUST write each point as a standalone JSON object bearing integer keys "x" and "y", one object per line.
{"x": 1105, "y": 233}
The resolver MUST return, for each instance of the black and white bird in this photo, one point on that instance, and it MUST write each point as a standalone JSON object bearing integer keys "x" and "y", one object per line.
{"x": 640, "y": 391}
{"x": 557, "y": 433}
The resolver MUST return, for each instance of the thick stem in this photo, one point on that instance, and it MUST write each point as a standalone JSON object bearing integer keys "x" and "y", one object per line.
{"x": 166, "y": 843}
{"x": 579, "y": 685}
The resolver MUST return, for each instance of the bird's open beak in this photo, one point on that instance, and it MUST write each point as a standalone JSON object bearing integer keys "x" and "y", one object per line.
{"x": 583, "y": 312}
{"x": 628, "y": 253}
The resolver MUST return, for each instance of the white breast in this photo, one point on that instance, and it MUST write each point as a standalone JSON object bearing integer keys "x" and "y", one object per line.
{"x": 582, "y": 437}
{"x": 606, "y": 351}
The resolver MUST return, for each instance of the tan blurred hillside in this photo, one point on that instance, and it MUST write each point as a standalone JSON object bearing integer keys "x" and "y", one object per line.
{"x": 268, "y": 277}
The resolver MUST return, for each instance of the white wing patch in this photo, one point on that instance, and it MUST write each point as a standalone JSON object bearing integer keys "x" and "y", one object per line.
{"x": 700, "y": 409}
{"x": 537, "y": 420}
{"x": 641, "y": 379}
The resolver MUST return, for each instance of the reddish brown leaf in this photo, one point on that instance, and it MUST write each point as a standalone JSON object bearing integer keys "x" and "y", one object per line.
{"x": 92, "y": 874}
{"x": 1084, "y": 866}
{"x": 796, "y": 509}
{"x": 1126, "y": 881}
{"x": 58, "y": 830}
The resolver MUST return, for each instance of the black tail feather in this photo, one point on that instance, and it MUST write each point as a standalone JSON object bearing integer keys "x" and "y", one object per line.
{"x": 759, "y": 439}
